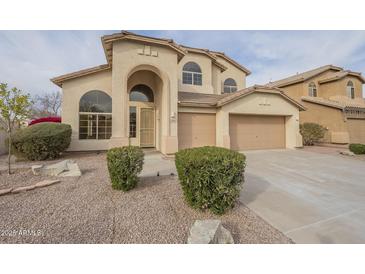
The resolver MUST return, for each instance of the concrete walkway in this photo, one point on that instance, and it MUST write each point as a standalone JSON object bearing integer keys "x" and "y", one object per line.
{"x": 155, "y": 162}
{"x": 311, "y": 197}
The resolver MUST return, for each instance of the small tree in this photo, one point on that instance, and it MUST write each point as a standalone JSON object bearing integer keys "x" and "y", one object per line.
{"x": 48, "y": 104}
{"x": 14, "y": 108}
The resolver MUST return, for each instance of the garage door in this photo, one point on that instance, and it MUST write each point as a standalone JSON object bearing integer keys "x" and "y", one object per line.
{"x": 196, "y": 130}
{"x": 356, "y": 130}
{"x": 256, "y": 132}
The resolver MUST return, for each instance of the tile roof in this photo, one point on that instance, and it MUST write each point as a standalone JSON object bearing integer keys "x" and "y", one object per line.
{"x": 333, "y": 103}
{"x": 215, "y": 100}
{"x": 194, "y": 98}
{"x": 60, "y": 79}
{"x": 341, "y": 74}
{"x": 300, "y": 77}
{"x": 107, "y": 41}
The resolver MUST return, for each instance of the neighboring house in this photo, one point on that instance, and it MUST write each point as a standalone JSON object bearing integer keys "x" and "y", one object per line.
{"x": 155, "y": 93}
{"x": 333, "y": 98}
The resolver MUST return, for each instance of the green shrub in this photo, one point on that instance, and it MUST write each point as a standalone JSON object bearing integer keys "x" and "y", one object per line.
{"x": 124, "y": 165}
{"x": 42, "y": 141}
{"x": 211, "y": 177}
{"x": 311, "y": 133}
{"x": 357, "y": 148}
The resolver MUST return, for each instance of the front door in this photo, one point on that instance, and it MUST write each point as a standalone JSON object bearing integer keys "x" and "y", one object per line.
{"x": 147, "y": 127}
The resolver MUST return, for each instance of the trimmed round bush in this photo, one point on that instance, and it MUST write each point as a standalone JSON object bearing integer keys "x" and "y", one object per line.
{"x": 42, "y": 141}
{"x": 311, "y": 133}
{"x": 357, "y": 148}
{"x": 211, "y": 177}
{"x": 124, "y": 165}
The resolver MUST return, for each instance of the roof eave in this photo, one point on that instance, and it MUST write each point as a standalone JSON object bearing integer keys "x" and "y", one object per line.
{"x": 263, "y": 89}
{"x": 59, "y": 80}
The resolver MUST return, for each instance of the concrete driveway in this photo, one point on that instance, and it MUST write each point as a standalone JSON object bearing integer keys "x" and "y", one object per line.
{"x": 311, "y": 197}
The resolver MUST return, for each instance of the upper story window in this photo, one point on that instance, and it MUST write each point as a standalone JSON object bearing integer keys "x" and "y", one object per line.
{"x": 350, "y": 90}
{"x": 312, "y": 90}
{"x": 192, "y": 74}
{"x": 229, "y": 85}
{"x": 141, "y": 93}
{"x": 95, "y": 115}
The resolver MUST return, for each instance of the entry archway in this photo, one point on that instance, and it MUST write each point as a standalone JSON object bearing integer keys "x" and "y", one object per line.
{"x": 145, "y": 102}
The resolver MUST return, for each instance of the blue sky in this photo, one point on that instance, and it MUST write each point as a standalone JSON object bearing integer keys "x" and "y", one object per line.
{"x": 30, "y": 58}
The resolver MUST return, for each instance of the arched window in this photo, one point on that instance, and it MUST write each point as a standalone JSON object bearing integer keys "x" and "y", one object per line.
{"x": 95, "y": 115}
{"x": 192, "y": 74}
{"x": 229, "y": 85}
{"x": 141, "y": 93}
{"x": 312, "y": 90}
{"x": 350, "y": 90}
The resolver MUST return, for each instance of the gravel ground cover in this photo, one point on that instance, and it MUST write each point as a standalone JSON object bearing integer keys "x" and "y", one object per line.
{"x": 88, "y": 210}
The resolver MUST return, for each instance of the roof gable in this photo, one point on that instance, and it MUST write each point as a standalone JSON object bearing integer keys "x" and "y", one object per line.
{"x": 215, "y": 100}
{"x": 340, "y": 75}
{"x": 108, "y": 40}
{"x": 301, "y": 77}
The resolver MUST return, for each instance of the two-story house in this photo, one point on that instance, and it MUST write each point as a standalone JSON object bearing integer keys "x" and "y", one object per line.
{"x": 155, "y": 93}
{"x": 333, "y": 98}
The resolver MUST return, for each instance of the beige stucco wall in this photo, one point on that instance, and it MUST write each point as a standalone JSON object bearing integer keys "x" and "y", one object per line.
{"x": 72, "y": 91}
{"x": 331, "y": 118}
{"x": 336, "y": 90}
{"x": 274, "y": 104}
{"x": 232, "y": 72}
{"x": 295, "y": 91}
{"x": 205, "y": 64}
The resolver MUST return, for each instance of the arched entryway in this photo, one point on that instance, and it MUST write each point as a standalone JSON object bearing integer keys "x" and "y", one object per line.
{"x": 145, "y": 92}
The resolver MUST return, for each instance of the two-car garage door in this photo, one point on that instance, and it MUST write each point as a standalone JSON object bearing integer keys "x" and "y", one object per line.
{"x": 256, "y": 132}
{"x": 246, "y": 131}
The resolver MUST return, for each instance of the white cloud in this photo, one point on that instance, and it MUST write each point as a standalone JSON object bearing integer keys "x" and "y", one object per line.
{"x": 31, "y": 58}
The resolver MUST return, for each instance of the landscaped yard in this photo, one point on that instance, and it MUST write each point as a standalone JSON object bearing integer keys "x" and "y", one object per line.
{"x": 87, "y": 210}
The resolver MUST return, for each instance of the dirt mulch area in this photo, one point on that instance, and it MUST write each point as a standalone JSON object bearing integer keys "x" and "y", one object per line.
{"x": 88, "y": 210}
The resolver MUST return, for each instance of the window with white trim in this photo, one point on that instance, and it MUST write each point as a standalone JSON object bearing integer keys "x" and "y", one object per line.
{"x": 229, "y": 85}
{"x": 350, "y": 90}
{"x": 95, "y": 115}
{"x": 312, "y": 90}
{"x": 192, "y": 74}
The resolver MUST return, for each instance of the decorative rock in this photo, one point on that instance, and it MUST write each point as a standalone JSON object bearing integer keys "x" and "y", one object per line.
{"x": 46, "y": 183}
{"x": 55, "y": 169}
{"x": 64, "y": 168}
{"x": 209, "y": 232}
{"x": 22, "y": 188}
{"x": 348, "y": 153}
{"x": 36, "y": 169}
{"x": 5, "y": 191}
{"x": 73, "y": 170}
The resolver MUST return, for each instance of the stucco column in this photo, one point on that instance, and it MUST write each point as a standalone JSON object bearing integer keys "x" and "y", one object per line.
{"x": 292, "y": 135}
{"x": 222, "y": 129}
{"x": 120, "y": 108}
{"x": 170, "y": 115}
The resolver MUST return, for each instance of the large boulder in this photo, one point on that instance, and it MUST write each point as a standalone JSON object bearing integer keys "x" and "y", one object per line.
{"x": 63, "y": 169}
{"x": 209, "y": 232}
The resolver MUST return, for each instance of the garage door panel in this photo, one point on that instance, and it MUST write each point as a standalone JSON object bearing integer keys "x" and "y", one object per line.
{"x": 356, "y": 129}
{"x": 196, "y": 130}
{"x": 257, "y": 132}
